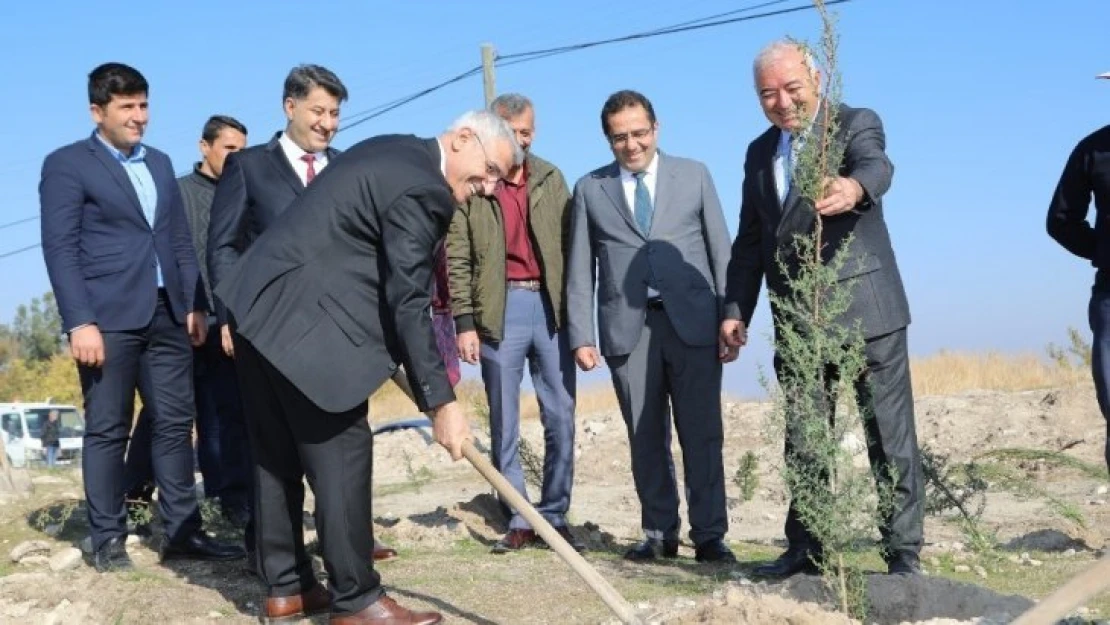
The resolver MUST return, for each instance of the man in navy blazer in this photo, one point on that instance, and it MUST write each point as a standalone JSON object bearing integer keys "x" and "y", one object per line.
{"x": 121, "y": 263}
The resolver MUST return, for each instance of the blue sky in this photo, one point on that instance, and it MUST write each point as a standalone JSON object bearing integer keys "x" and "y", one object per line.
{"x": 982, "y": 102}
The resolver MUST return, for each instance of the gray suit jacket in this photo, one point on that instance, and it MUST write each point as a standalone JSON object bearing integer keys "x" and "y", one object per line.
{"x": 766, "y": 226}
{"x": 686, "y": 251}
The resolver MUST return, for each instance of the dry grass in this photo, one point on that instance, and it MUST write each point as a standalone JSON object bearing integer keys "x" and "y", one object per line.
{"x": 942, "y": 373}
{"x": 947, "y": 372}
{"x": 390, "y": 403}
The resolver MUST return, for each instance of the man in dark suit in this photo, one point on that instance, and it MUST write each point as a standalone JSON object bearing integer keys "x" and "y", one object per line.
{"x": 117, "y": 247}
{"x": 259, "y": 183}
{"x": 647, "y": 231}
{"x": 1086, "y": 176}
{"x": 772, "y": 212}
{"x": 324, "y": 304}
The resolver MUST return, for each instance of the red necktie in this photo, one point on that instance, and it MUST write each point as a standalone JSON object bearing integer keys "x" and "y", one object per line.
{"x": 310, "y": 160}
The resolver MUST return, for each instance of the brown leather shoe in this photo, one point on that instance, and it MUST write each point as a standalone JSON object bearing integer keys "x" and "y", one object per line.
{"x": 386, "y": 611}
{"x": 516, "y": 539}
{"x": 315, "y": 601}
{"x": 383, "y": 551}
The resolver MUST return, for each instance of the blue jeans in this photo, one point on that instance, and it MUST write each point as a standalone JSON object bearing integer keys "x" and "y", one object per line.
{"x": 1098, "y": 313}
{"x": 530, "y": 337}
{"x": 51, "y": 455}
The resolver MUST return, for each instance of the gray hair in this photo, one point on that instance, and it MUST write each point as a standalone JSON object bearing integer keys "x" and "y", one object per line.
{"x": 303, "y": 78}
{"x": 779, "y": 48}
{"x": 490, "y": 128}
{"x": 510, "y": 105}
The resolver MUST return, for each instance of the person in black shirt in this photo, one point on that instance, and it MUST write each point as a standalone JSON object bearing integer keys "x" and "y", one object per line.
{"x": 1087, "y": 175}
{"x": 50, "y": 438}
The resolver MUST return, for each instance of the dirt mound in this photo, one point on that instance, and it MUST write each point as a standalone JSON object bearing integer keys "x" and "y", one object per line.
{"x": 1046, "y": 540}
{"x": 736, "y": 603}
{"x": 898, "y": 599}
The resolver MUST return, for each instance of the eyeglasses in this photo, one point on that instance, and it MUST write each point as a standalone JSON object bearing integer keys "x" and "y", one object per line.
{"x": 638, "y": 135}
{"x": 492, "y": 170}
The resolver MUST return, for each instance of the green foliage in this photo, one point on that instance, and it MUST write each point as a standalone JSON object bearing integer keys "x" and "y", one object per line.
{"x": 531, "y": 463}
{"x": 747, "y": 475}
{"x": 417, "y": 477}
{"x": 1077, "y": 354}
{"x": 38, "y": 329}
{"x": 822, "y": 357}
{"x": 959, "y": 488}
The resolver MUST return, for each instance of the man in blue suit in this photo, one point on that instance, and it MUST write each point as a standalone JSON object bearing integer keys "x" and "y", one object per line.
{"x": 122, "y": 266}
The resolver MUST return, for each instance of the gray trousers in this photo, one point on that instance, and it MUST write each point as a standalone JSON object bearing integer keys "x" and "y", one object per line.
{"x": 662, "y": 371}
{"x": 530, "y": 338}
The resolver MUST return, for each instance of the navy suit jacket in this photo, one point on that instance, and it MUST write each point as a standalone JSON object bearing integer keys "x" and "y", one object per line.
{"x": 99, "y": 248}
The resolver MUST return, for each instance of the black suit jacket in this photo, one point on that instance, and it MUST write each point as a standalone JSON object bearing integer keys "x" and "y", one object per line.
{"x": 766, "y": 226}
{"x": 256, "y": 186}
{"x": 338, "y": 287}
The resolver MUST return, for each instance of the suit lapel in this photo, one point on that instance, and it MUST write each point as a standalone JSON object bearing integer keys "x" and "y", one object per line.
{"x": 664, "y": 184}
{"x": 282, "y": 165}
{"x": 161, "y": 205}
{"x": 611, "y": 184}
{"x": 118, "y": 174}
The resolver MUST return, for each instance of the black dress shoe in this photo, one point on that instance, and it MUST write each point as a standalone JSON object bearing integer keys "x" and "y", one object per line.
{"x": 714, "y": 551}
{"x": 904, "y": 563}
{"x": 795, "y": 560}
{"x": 652, "y": 547}
{"x": 200, "y": 546}
{"x": 112, "y": 556}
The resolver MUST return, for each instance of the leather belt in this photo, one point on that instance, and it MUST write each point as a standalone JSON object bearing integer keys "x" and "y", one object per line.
{"x": 530, "y": 285}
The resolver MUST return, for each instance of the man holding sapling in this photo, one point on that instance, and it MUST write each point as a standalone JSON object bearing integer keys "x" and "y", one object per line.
{"x": 773, "y": 212}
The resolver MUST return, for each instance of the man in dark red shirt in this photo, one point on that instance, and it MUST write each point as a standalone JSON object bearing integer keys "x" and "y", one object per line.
{"x": 505, "y": 261}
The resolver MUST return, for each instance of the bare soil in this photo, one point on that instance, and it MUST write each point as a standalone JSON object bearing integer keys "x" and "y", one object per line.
{"x": 443, "y": 518}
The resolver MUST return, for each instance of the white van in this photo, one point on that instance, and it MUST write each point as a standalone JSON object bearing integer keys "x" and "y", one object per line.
{"x": 21, "y": 428}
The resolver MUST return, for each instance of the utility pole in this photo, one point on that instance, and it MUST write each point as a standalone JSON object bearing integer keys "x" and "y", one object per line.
{"x": 488, "y": 57}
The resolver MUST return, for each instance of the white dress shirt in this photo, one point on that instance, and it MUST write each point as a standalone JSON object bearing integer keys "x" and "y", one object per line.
{"x": 293, "y": 152}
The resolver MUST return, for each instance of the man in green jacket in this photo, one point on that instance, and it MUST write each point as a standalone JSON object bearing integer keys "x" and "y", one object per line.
{"x": 505, "y": 260}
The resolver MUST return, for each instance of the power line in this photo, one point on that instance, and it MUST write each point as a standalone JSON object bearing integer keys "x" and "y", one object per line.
{"x": 534, "y": 55}
{"x": 382, "y": 109}
{"x": 20, "y": 250}
{"x": 523, "y": 57}
{"x": 18, "y": 221}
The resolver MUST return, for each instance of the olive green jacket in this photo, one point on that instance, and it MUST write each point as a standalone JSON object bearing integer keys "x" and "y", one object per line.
{"x": 476, "y": 252}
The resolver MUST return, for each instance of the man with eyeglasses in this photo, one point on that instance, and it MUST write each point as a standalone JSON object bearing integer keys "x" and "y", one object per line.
{"x": 327, "y": 302}
{"x": 652, "y": 225}
{"x": 505, "y": 259}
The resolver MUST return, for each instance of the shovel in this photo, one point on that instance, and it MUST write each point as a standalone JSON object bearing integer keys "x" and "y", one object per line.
{"x": 558, "y": 544}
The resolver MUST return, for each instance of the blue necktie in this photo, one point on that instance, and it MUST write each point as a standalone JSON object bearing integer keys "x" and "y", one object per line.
{"x": 642, "y": 208}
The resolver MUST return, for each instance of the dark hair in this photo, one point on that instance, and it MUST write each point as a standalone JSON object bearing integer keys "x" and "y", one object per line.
{"x": 112, "y": 79}
{"x": 303, "y": 78}
{"x": 216, "y": 123}
{"x": 621, "y": 100}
